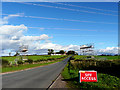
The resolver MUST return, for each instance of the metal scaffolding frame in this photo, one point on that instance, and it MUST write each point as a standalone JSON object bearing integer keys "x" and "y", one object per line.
{"x": 23, "y": 50}
{"x": 87, "y": 49}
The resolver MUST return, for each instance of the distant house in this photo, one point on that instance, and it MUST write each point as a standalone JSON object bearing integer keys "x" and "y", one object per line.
{"x": 59, "y": 53}
{"x": 55, "y": 54}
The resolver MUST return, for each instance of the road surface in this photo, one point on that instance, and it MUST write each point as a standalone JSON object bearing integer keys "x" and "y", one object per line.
{"x": 40, "y": 77}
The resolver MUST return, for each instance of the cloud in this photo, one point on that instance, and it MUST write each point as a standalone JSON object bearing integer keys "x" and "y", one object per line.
{"x": 14, "y": 40}
{"x": 12, "y": 37}
{"x": 34, "y": 38}
{"x": 108, "y": 50}
{"x": 3, "y": 22}
{"x": 57, "y": 47}
{"x": 12, "y": 30}
{"x": 12, "y": 15}
{"x": 5, "y": 19}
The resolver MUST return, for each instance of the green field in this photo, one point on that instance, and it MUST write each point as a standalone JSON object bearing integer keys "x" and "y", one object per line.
{"x": 22, "y": 67}
{"x": 33, "y": 61}
{"x": 37, "y": 57}
{"x": 45, "y": 57}
{"x": 9, "y": 58}
{"x": 34, "y": 57}
{"x": 108, "y": 57}
{"x": 98, "y": 57}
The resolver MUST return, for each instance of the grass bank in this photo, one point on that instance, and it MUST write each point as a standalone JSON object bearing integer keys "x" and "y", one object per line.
{"x": 107, "y": 71}
{"x": 26, "y": 66}
{"x": 104, "y": 80}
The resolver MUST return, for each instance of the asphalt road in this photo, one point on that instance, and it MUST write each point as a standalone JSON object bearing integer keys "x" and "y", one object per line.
{"x": 40, "y": 77}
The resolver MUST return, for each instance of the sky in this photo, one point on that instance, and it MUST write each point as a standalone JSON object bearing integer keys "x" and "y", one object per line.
{"x": 60, "y": 26}
{"x": 60, "y": 0}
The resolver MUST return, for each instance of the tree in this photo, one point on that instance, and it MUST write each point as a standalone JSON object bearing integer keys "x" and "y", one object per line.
{"x": 71, "y": 52}
{"x": 50, "y": 51}
{"x": 9, "y": 53}
{"x": 61, "y": 52}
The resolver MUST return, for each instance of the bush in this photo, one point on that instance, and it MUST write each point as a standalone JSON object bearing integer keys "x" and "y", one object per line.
{"x": 30, "y": 61}
{"x": 78, "y": 59}
{"x": 51, "y": 58}
{"x": 42, "y": 59}
{"x": 88, "y": 56}
{"x": 72, "y": 58}
{"x": 20, "y": 62}
{"x": 36, "y": 61}
{"x": 39, "y": 60}
{"x": 5, "y": 62}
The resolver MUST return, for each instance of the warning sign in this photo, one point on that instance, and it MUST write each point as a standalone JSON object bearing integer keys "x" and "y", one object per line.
{"x": 88, "y": 76}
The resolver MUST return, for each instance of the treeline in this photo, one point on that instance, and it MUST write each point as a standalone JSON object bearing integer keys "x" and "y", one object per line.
{"x": 71, "y": 52}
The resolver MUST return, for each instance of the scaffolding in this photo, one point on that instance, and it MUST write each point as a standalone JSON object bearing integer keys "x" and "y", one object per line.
{"x": 87, "y": 49}
{"x": 23, "y": 50}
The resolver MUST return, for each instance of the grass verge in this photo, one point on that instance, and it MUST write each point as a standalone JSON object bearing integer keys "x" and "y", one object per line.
{"x": 104, "y": 80}
{"x": 22, "y": 67}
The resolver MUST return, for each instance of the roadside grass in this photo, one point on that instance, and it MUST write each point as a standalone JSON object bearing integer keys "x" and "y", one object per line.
{"x": 107, "y": 71}
{"x": 104, "y": 80}
{"x": 35, "y": 58}
{"x": 26, "y": 66}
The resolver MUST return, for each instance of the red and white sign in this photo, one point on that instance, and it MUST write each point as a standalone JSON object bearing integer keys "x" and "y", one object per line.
{"x": 88, "y": 76}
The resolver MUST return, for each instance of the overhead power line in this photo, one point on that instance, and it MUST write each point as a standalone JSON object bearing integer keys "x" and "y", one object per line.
{"x": 76, "y": 10}
{"x": 83, "y": 7}
{"x": 61, "y": 19}
{"x": 73, "y": 29}
{"x": 62, "y": 29}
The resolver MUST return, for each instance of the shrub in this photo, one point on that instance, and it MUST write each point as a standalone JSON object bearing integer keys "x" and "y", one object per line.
{"x": 104, "y": 80}
{"x": 78, "y": 59}
{"x": 88, "y": 56}
{"x": 20, "y": 62}
{"x": 36, "y": 61}
{"x": 5, "y": 62}
{"x": 51, "y": 58}
{"x": 30, "y": 61}
{"x": 39, "y": 60}
{"x": 44, "y": 59}
{"x": 72, "y": 58}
